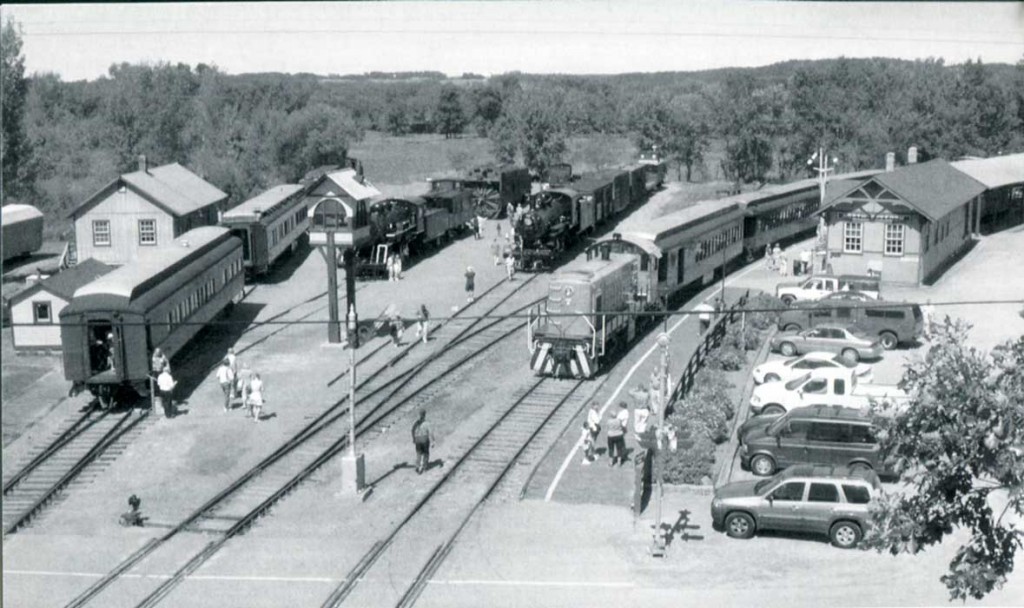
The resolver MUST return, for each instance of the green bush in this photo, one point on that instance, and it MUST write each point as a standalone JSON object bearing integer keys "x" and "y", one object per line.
{"x": 691, "y": 462}
{"x": 701, "y": 415}
{"x": 768, "y": 308}
{"x": 727, "y": 358}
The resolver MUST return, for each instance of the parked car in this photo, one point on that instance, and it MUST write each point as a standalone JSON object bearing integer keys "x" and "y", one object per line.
{"x": 817, "y": 287}
{"x": 851, "y": 343}
{"x": 899, "y": 323}
{"x": 835, "y": 501}
{"x": 855, "y": 296}
{"x": 785, "y": 370}
{"x": 813, "y": 434}
{"x": 835, "y": 386}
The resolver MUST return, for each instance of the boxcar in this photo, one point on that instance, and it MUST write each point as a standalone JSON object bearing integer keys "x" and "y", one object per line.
{"x": 269, "y": 225}
{"x": 22, "y": 230}
{"x": 161, "y": 300}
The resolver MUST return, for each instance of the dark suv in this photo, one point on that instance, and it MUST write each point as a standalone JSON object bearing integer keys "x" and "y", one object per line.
{"x": 825, "y": 500}
{"x": 813, "y": 434}
{"x": 892, "y": 323}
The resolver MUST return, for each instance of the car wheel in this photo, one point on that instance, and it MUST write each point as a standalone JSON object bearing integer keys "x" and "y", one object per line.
{"x": 787, "y": 349}
{"x": 851, "y": 355}
{"x": 773, "y": 409}
{"x": 739, "y": 525}
{"x": 845, "y": 534}
{"x": 772, "y": 378}
{"x": 762, "y": 465}
{"x": 788, "y": 300}
{"x": 888, "y": 339}
{"x": 791, "y": 327}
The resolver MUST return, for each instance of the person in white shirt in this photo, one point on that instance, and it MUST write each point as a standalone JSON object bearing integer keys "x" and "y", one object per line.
{"x": 704, "y": 312}
{"x": 165, "y": 384}
{"x": 256, "y": 397}
{"x": 226, "y": 378}
{"x": 591, "y": 429}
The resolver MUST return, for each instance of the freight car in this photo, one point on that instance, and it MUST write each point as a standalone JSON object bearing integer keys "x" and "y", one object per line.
{"x": 269, "y": 225}
{"x": 491, "y": 187}
{"x": 22, "y": 230}
{"x": 161, "y": 300}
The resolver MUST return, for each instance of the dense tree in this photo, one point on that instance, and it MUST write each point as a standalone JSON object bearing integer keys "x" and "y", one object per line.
{"x": 313, "y": 136}
{"x": 487, "y": 106}
{"x": 449, "y": 117}
{"x": 504, "y": 141}
{"x": 959, "y": 451}
{"x": 14, "y": 145}
{"x": 538, "y": 120}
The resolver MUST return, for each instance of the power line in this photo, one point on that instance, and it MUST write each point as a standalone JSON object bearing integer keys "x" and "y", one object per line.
{"x": 660, "y": 314}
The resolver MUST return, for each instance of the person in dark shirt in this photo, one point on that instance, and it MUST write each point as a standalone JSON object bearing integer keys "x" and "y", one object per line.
{"x": 422, "y": 438}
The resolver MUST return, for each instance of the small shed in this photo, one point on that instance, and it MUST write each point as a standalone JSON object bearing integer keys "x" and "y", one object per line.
{"x": 345, "y": 195}
{"x": 35, "y": 311}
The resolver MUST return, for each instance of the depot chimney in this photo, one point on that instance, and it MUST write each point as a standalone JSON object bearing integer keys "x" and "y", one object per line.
{"x": 890, "y": 162}
{"x": 142, "y": 164}
{"x": 912, "y": 155}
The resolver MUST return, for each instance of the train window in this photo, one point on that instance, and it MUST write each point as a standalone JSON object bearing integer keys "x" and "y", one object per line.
{"x": 680, "y": 265}
{"x": 645, "y": 262}
{"x": 663, "y": 270}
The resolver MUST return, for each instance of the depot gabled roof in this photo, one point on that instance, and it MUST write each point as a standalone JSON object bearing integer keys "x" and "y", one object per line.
{"x": 934, "y": 188}
{"x": 171, "y": 187}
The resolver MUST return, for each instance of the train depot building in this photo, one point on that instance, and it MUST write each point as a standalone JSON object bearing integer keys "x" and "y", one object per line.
{"x": 35, "y": 310}
{"x": 909, "y": 224}
{"x": 142, "y": 210}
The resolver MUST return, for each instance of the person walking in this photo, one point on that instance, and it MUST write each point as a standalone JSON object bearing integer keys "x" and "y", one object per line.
{"x": 422, "y": 322}
{"x": 242, "y": 383}
{"x": 496, "y": 252}
{"x": 592, "y": 429}
{"x": 398, "y": 266}
{"x": 510, "y": 266}
{"x": 769, "y": 261}
{"x": 805, "y": 261}
{"x": 422, "y": 439}
{"x": 510, "y": 210}
{"x": 157, "y": 364}
{"x": 497, "y": 228}
{"x": 256, "y": 397}
{"x": 704, "y": 312}
{"x": 232, "y": 362}
{"x": 165, "y": 385}
{"x": 470, "y": 283}
{"x": 927, "y": 319}
{"x": 616, "y": 436}
{"x": 226, "y": 378}
{"x": 476, "y": 228}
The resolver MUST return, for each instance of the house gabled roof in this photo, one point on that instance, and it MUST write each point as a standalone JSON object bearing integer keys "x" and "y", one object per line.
{"x": 933, "y": 188}
{"x": 171, "y": 187}
{"x": 65, "y": 283}
{"x": 994, "y": 172}
{"x": 349, "y": 182}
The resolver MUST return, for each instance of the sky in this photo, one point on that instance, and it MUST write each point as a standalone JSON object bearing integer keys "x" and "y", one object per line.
{"x": 581, "y": 37}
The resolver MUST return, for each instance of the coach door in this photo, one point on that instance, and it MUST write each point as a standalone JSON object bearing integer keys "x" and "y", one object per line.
{"x": 246, "y": 238}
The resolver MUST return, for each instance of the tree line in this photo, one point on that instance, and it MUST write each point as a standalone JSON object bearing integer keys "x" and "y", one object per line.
{"x": 63, "y": 140}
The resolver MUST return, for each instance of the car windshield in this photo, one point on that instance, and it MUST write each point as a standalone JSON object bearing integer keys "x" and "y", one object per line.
{"x": 774, "y": 427}
{"x": 794, "y": 383}
{"x": 760, "y": 486}
{"x": 790, "y": 362}
{"x": 841, "y": 360}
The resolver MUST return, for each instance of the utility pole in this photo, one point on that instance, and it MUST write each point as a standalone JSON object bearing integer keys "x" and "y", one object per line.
{"x": 659, "y": 542}
{"x": 353, "y": 466}
{"x": 333, "y": 325}
{"x": 823, "y": 168}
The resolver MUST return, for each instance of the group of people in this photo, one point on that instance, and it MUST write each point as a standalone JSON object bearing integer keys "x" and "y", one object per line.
{"x": 775, "y": 260}
{"x": 396, "y": 326}
{"x": 617, "y": 425}
{"x": 241, "y": 383}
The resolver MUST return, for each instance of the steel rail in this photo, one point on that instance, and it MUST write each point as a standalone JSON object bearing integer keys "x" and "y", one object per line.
{"x": 322, "y": 421}
{"x": 78, "y": 427}
{"x": 112, "y": 435}
{"x": 413, "y": 592}
{"x": 364, "y": 426}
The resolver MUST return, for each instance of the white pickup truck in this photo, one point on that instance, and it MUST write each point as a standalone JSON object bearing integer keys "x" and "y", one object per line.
{"x": 828, "y": 386}
{"x": 816, "y": 288}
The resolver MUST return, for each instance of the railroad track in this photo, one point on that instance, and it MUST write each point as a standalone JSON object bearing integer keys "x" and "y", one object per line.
{"x": 379, "y": 399}
{"x": 89, "y": 439}
{"x": 430, "y": 529}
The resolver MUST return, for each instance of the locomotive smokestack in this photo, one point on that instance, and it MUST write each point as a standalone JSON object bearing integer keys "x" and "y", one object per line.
{"x": 890, "y": 162}
{"x": 912, "y": 155}
{"x": 142, "y": 164}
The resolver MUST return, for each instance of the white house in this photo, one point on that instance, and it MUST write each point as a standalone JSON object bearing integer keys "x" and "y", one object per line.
{"x": 35, "y": 311}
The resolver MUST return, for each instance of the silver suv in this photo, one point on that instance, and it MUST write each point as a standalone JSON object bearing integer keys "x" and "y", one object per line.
{"x": 834, "y": 501}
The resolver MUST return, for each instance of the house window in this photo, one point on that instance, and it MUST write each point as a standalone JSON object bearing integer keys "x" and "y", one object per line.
{"x": 101, "y": 233}
{"x": 894, "y": 239}
{"x": 41, "y": 312}
{"x": 147, "y": 232}
{"x": 853, "y": 237}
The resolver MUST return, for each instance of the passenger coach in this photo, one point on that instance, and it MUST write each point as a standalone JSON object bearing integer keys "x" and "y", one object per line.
{"x": 269, "y": 225}
{"x": 161, "y": 300}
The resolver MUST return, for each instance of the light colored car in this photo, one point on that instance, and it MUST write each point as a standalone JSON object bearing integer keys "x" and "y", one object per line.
{"x": 835, "y": 501}
{"x": 825, "y": 385}
{"x": 852, "y": 344}
{"x": 786, "y": 369}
